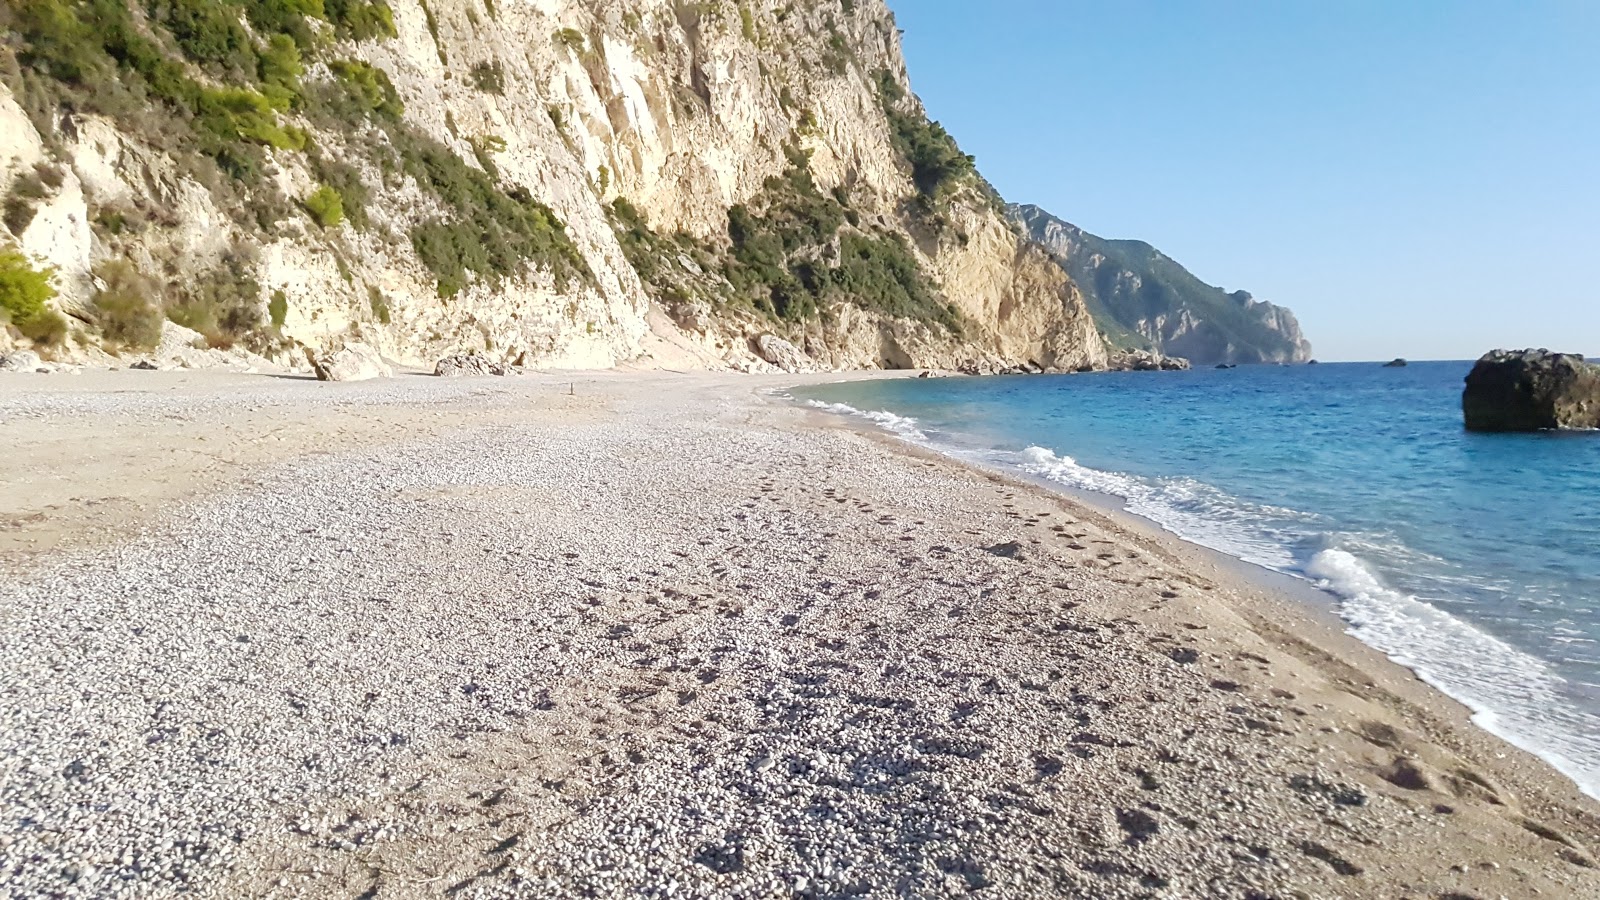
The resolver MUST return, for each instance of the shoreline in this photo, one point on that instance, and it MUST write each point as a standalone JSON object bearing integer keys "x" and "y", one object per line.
{"x": 1302, "y": 588}
{"x": 728, "y": 535}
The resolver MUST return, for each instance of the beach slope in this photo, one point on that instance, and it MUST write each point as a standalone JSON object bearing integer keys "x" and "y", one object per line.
{"x": 660, "y": 635}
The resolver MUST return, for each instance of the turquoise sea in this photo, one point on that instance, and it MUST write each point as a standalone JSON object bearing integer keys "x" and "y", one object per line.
{"x": 1473, "y": 559}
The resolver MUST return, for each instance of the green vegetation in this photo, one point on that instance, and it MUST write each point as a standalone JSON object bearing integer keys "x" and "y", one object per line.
{"x": 326, "y": 207}
{"x": 792, "y": 252}
{"x": 25, "y": 292}
{"x": 97, "y": 56}
{"x": 937, "y": 164}
{"x": 493, "y": 231}
{"x": 379, "y": 305}
{"x": 22, "y": 204}
{"x": 278, "y": 309}
{"x": 125, "y": 307}
{"x": 571, "y": 38}
{"x": 223, "y": 304}
{"x": 366, "y": 89}
{"x": 489, "y": 77}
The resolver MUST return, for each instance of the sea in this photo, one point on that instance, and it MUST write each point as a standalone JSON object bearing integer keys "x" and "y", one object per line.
{"x": 1472, "y": 559}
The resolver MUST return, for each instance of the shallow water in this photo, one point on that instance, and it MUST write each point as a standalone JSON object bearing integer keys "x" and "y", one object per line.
{"x": 1473, "y": 559}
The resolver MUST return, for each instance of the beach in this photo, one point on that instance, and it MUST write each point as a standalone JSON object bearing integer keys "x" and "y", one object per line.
{"x": 650, "y": 634}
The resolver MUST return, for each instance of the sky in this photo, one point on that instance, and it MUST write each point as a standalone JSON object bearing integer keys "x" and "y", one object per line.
{"x": 1416, "y": 178}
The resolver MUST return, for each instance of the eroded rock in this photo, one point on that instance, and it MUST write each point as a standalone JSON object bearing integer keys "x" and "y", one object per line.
{"x": 20, "y": 361}
{"x": 352, "y": 362}
{"x": 781, "y": 353}
{"x": 1531, "y": 390}
{"x": 464, "y": 365}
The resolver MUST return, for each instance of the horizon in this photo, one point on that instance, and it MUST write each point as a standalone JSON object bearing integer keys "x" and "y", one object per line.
{"x": 1416, "y": 182}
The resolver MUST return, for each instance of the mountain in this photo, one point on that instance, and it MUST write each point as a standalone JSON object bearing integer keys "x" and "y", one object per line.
{"x": 568, "y": 183}
{"x": 1143, "y": 299}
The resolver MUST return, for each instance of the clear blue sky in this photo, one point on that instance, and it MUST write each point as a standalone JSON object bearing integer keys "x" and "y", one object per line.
{"x": 1417, "y": 179}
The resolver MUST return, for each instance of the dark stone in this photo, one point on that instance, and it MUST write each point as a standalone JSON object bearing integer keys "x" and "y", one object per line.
{"x": 1396, "y": 364}
{"x": 1531, "y": 390}
{"x": 144, "y": 365}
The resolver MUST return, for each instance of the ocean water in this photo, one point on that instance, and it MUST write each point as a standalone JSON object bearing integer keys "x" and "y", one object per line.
{"x": 1472, "y": 559}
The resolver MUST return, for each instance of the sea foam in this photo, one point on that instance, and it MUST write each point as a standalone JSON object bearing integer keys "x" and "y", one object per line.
{"x": 1510, "y": 693}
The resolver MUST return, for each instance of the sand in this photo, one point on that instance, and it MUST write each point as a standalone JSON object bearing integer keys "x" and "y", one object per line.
{"x": 659, "y": 635}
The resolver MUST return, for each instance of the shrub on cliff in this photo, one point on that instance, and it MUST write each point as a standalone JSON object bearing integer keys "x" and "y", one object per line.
{"x": 125, "y": 306}
{"x": 326, "y": 207}
{"x": 25, "y": 292}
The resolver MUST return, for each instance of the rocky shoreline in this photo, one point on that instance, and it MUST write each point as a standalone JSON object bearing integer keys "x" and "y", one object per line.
{"x": 652, "y": 635}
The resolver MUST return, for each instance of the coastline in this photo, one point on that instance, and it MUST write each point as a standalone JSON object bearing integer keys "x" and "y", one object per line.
{"x": 1196, "y": 728}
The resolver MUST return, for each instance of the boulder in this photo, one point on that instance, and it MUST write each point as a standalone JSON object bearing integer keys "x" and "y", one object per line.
{"x": 352, "y": 362}
{"x": 781, "y": 353}
{"x": 468, "y": 364}
{"x": 1396, "y": 364}
{"x": 1531, "y": 390}
{"x": 20, "y": 361}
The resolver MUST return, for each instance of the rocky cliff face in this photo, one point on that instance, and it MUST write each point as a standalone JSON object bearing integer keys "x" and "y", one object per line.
{"x": 555, "y": 182}
{"x": 1142, "y": 299}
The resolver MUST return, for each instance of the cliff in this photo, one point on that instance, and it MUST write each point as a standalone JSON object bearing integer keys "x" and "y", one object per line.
{"x": 552, "y": 182}
{"x": 1143, "y": 299}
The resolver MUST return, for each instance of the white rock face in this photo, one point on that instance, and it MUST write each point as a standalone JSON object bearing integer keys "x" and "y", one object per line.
{"x": 684, "y": 109}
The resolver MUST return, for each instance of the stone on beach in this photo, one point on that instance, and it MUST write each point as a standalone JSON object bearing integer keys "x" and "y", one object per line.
{"x": 352, "y": 362}
{"x": 463, "y": 365}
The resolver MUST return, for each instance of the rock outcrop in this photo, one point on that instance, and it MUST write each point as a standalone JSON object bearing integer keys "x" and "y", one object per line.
{"x": 20, "y": 361}
{"x": 574, "y": 183}
{"x": 352, "y": 362}
{"x": 1147, "y": 361}
{"x": 1531, "y": 390}
{"x": 469, "y": 365}
{"x": 782, "y": 354}
{"x": 1144, "y": 300}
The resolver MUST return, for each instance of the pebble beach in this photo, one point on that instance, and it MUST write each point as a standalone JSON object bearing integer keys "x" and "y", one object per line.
{"x": 657, "y": 635}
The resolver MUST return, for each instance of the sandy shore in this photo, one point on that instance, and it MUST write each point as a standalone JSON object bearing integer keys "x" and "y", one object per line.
{"x": 653, "y": 635}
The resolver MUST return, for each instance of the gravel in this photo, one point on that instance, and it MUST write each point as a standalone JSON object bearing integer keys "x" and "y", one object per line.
{"x": 655, "y": 654}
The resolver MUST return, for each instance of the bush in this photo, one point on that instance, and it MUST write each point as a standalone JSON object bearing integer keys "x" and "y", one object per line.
{"x": 126, "y": 308}
{"x": 571, "y": 38}
{"x": 326, "y": 207}
{"x": 360, "y": 20}
{"x": 224, "y": 304}
{"x": 369, "y": 88}
{"x": 937, "y": 163}
{"x": 208, "y": 32}
{"x": 490, "y": 78}
{"x": 379, "y": 304}
{"x": 25, "y": 293}
{"x": 278, "y": 309}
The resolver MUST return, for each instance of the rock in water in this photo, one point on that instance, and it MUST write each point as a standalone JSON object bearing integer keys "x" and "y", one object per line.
{"x": 352, "y": 362}
{"x": 781, "y": 353}
{"x": 468, "y": 364}
{"x": 1531, "y": 390}
{"x": 1396, "y": 364}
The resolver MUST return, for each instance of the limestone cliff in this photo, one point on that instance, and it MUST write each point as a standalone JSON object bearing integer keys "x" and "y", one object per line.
{"x": 1143, "y": 299}
{"x": 555, "y": 182}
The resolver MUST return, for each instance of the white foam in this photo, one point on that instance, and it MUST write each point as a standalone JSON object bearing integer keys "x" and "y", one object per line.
{"x": 903, "y": 426}
{"x": 1188, "y": 508}
{"x": 1511, "y": 694}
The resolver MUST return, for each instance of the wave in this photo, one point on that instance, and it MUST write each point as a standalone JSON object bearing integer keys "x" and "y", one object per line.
{"x": 903, "y": 426}
{"x": 1510, "y": 693}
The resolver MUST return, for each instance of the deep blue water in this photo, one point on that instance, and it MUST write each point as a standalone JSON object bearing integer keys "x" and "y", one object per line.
{"x": 1473, "y": 559}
